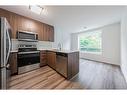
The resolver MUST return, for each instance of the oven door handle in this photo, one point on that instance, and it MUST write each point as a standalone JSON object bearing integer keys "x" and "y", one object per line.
{"x": 28, "y": 52}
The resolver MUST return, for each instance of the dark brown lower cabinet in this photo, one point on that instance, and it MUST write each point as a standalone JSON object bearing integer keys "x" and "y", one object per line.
{"x": 13, "y": 63}
{"x": 51, "y": 59}
{"x": 73, "y": 64}
{"x": 43, "y": 58}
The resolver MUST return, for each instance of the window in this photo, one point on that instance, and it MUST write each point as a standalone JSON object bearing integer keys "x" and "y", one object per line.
{"x": 90, "y": 42}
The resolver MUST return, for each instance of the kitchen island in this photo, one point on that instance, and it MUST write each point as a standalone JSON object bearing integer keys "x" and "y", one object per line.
{"x": 65, "y": 62}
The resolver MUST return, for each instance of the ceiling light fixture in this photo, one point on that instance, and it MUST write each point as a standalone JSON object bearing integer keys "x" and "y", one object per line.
{"x": 36, "y": 9}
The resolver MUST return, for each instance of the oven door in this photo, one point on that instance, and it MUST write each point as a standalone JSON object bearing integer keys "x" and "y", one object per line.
{"x": 25, "y": 59}
{"x": 28, "y": 62}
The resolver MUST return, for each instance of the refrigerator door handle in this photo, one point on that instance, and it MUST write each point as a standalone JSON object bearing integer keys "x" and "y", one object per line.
{"x": 9, "y": 45}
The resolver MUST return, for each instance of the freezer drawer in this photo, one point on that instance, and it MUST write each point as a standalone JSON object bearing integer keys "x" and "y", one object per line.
{"x": 4, "y": 78}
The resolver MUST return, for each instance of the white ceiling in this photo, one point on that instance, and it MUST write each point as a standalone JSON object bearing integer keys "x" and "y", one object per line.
{"x": 74, "y": 18}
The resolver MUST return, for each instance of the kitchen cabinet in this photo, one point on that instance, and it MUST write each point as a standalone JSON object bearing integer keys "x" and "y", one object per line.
{"x": 27, "y": 24}
{"x": 10, "y": 17}
{"x": 18, "y": 22}
{"x": 5, "y": 14}
{"x": 51, "y": 33}
{"x": 48, "y": 32}
{"x": 45, "y": 33}
{"x": 13, "y": 63}
{"x": 73, "y": 64}
{"x": 38, "y": 30}
{"x": 14, "y": 25}
{"x": 43, "y": 58}
{"x": 51, "y": 59}
{"x": 22, "y": 23}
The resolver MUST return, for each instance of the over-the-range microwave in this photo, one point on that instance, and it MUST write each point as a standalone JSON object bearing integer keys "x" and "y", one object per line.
{"x": 27, "y": 36}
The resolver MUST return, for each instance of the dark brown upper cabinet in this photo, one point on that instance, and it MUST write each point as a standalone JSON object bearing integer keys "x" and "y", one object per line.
{"x": 48, "y": 33}
{"x": 51, "y": 33}
{"x": 18, "y": 22}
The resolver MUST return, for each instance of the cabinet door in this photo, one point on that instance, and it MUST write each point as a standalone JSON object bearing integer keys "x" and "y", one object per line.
{"x": 43, "y": 58}
{"x": 14, "y": 25}
{"x": 13, "y": 63}
{"x": 10, "y": 18}
{"x": 23, "y": 23}
{"x": 45, "y": 32}
{"x": 48, "y": 33}
{"x": 51, "y": 33}
{"x": 5, "y": 14}
{"x": 42, "y": 29}
{"x": 51, "y": 59}
{"x": 75, "y": 64}
{"x": 39, "y": 30}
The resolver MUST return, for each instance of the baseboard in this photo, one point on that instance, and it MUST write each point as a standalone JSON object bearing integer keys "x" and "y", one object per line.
{"x": 123, "y": 74}
{"x": 100, "y": 61}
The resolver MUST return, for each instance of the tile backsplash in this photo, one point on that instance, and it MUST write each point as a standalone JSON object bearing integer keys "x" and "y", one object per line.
{"x": 40, "y": 44}
{"x": 44, "y": 45}
{"x": 14, "y": 44}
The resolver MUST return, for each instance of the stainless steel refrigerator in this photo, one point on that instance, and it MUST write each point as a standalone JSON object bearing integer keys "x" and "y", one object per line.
{"x": 5, "y": 48}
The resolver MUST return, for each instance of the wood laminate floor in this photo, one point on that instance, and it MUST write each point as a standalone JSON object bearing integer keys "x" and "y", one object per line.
{"x": 92, "y": 75}
{"x": 43, "y": 78}
{"x": 95, "y": 75}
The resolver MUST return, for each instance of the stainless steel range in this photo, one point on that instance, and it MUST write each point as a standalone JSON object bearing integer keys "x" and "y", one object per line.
{"x": 28, "y": 58}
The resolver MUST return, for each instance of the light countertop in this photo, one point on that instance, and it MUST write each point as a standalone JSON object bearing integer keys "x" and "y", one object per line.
{"x": 14, "y": 51}
{"x": 61, "y": 51}
{"x": 54, "y": 50}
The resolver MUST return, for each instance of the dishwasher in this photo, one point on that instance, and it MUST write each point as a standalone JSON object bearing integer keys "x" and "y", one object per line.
{"x": 61, "y": 63}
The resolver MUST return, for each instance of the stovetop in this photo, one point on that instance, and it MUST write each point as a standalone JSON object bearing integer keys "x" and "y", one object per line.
{"x": 27, "y": 48}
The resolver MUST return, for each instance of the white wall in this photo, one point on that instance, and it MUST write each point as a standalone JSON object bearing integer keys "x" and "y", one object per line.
{"x": 57, "y": 37}
{"x": 124, "y": 45}
{"x": 110, "y": 45}
{"x": 63, "y": 37}
{"x": 74, "y": 41}
{"x": 66, "y": 41}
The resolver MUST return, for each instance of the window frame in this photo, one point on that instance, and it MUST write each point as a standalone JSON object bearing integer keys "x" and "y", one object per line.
{"x": 89, "y": 51}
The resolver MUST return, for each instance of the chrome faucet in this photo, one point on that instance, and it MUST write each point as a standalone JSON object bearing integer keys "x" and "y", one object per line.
{"x": 59, "y": 47}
